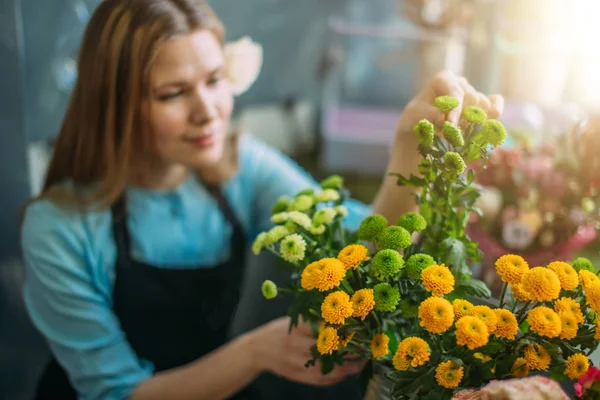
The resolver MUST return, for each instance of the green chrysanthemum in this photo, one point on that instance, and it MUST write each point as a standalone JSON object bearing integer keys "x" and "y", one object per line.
{"x": 306, "y": 192}
{"x": 386, "y": 297}
{"x": 327, "y": 195}
{"x": 425, "y": 132}
{"x": 269, "y": 289}
{"x": 332, "y": 182}
{"x": 302, "y": 202}
{"x": 341, "y": 210}
{"x": 324, "y": 216}
{"x": 279, "y": 218}
{"x": 446, "y": 103}
{"x": 583, "y": 263}
{"x": 394, "y": 238}
{"x": 291, "y": 226}
{"x": 317, "y": 229}
{"x": 292, "y": 248}
{"x": 259, "y": 243}
{"x": 412, "y": 222}
{"x": 493, "y": 132}
{"x": 454, "y": 163}
{"x": 275, "y": 234}
{"x": 387, "y": 264}
{"x": 417, "y": 263}
{"x": 371, "y": 226}
{"x": 281, "y": 204}
{"x": 453, "y": 134}
{"x": 300, "y": 219}
{"x": 474, "y": 114}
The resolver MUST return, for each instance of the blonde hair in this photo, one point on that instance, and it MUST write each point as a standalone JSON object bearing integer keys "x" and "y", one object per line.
{"x": 102, "y": 131}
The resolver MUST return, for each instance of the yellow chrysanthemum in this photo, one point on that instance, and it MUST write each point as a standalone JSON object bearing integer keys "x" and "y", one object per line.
{"x": 438, "y": 279}
{"x": 436, "y": 314}
{"x": 411, "y": 352}
{"x": 328, "y": 341}
{"x": 353, "y": 255}
{"x": 471, "y": 332}
{"x": 544, "y": 321}
{"x": 567, "y": 304}
{"x": 336, "y": 307}
{"x": 519, "y": 293}
{"x": 568, "y": 325}
{"x": 511, "y": 268}
{"x": 507, "y": 325}
{"x": 586, "y": 277}
{"x": 379, "y": 345}
{"x": 487, "y": 315}
{"x": 592, "y": 295}
{"x": 461, "y": 308}
{"x": 577, "y": 365}
{"x": 343, "y": 342}
{"x": 541, "y": 283}
{"x": 520, "y": 368}
{"x": 566, "y": 274}
{"x": 363, "y": 302}
{"x": 537, "y": 357}
{"x": 323, "y": 275}
{"x": 447, "y": 375}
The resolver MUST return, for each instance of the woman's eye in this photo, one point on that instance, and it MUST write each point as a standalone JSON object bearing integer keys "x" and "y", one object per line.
{"x": 170, "y": 96}
{"x": 215, "y": 80}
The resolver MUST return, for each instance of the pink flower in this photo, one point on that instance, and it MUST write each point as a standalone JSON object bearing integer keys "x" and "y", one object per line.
{"x": 591, "y": 376}
{"x": 531, "y": 388}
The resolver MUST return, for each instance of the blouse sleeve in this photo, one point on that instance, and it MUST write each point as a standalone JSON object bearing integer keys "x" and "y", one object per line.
{"x": 273, "y": 174}
{"x": 69, "y": 308}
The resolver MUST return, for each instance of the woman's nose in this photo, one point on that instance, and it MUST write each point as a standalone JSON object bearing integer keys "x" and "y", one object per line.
{"x": 204, "y": 108}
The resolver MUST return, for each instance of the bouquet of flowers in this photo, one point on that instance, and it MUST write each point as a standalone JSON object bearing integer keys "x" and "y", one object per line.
{"x": 540, "y": 201}
{"x": 401, "y": 293}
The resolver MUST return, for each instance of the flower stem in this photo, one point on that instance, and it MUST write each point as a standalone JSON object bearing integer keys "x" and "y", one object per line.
{"x": 502, "y": 295}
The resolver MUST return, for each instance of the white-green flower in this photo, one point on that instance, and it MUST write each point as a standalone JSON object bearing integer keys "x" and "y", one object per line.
{"x": 279, "y": 218}
{"x": 324, "y": 216}
{"x": 292, "y": 248}
{"x": 317, "y": 229}
{"x": 302, "y": 203}
{"x": 300, "y": 218}
{"x": 275, "y": 234}
{"x": 341, "y": 210}
{"x": 327, "y": 195}
{"x": 259, "y": 243}
{"x": 269, "y": 289}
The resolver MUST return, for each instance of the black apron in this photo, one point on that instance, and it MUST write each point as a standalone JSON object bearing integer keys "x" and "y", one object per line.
{"x": 170, "y": 317}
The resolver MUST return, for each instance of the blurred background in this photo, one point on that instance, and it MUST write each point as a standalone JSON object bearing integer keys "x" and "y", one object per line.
{"x": 336, "y": 77}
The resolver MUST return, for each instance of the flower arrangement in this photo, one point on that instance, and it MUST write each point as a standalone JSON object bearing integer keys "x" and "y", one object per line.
{"x": 401, "y": 293}
{"x": 539, "y": 201}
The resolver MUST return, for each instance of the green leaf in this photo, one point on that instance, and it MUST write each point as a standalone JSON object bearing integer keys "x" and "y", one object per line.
{"x": 475, "y": 287}
{"x": 453, "y": 252}
{"x": 558, "y": 373}
{"x": 412, "y": 181}
{"x": 524, "y": 327}
{"x": 492, "y": 347}
{"x": 426, "y": 211}
{"x": 327, "y": 365}
{"x": 393, "y": 343}
{"x": 470, "y": 176}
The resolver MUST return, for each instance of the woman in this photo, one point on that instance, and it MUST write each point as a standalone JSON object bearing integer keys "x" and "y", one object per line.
{"x": 134, "y": 250}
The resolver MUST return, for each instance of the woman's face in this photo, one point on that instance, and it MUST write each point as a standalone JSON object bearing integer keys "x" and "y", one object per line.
{"x": 190, "y": 100}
